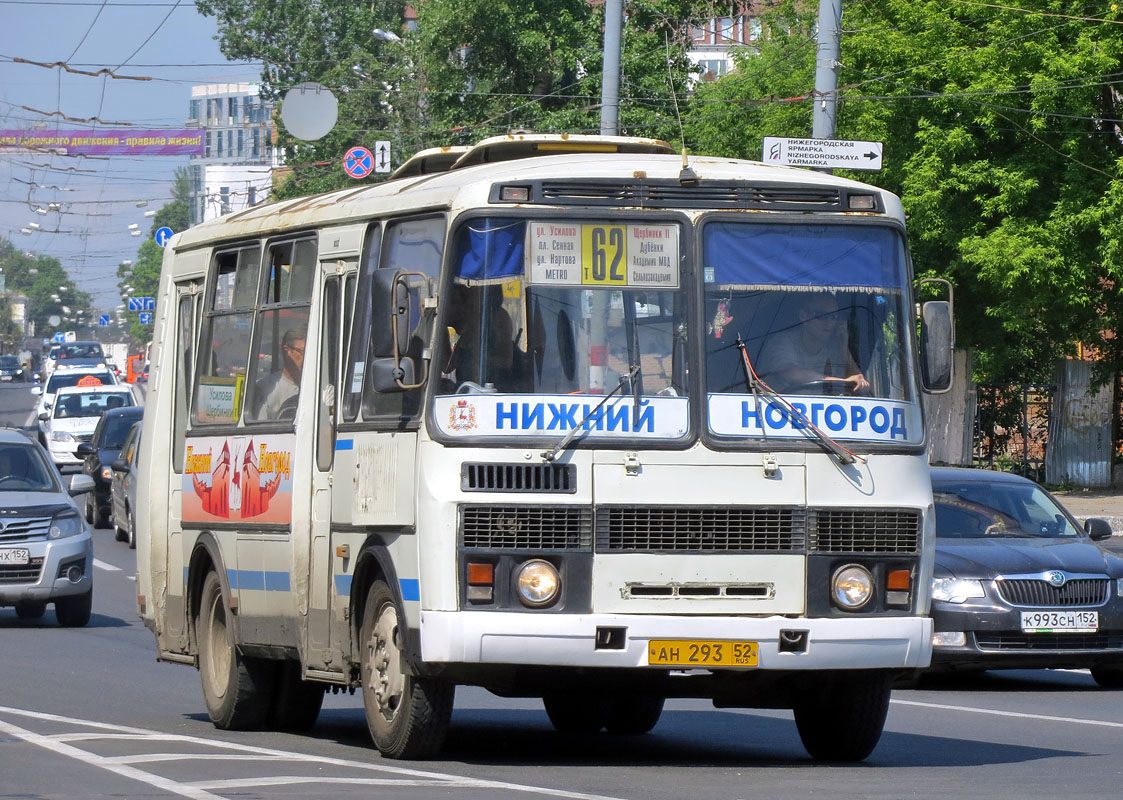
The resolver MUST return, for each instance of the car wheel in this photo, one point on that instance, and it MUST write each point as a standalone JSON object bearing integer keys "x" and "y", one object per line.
{"x": 1108, "y": 676}
{"x": 74, "y": 611}
{"x": 31, "y": 609}
{"x": 632, "y": 715}
{"x": 131, "y": 536}
{"x": 236, "y": 688}
{"x": 90, "y": 512}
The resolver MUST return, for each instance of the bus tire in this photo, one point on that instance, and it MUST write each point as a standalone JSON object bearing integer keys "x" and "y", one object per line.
{"x": 236, "y": 689}
{"x": 408, "y": 716}
{"x": 633, "y": 714}
{"x": 842, "y": 718}
{"x": 572, "y": 714}
{"x": 296, "y": 703}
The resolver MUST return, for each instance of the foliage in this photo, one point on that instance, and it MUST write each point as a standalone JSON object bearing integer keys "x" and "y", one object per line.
{"x": 41, "y": 279}
{"x": 1001, "y": 136}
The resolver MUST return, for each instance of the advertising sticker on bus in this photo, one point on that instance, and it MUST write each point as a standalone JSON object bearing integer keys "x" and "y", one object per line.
{"x": 612, "y": 256}
{"x": 238, "y": 478}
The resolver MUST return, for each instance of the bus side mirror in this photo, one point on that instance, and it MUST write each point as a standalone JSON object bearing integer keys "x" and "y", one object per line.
{"x": 937, "y": 343}
{"x": 390, "y": 299}
{"x": 392, "y": 374}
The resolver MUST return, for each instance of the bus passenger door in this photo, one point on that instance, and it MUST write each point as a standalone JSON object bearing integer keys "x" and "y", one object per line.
{"x": 333, "y": 329}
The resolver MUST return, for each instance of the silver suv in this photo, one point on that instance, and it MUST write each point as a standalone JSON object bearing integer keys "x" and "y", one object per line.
{"x": 46, "y": 552}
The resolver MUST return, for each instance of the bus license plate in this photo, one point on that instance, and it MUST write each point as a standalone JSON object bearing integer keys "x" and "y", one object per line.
{"x": 694, "y": 653}
{"x": 1060, "y": 621}
{"x": 18, "y": 555}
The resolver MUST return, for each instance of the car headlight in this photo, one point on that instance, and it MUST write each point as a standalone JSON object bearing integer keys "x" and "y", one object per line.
{"x": 61, "y": 436}
{"x": 852, "y": 586}
{"x": 538, "y": 583}
{"x": 956, "y": 590}
{"x": 107, "y": 473}
{"x": 65, "y": 524}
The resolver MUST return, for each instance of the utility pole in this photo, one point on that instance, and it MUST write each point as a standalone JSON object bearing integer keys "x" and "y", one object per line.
{"x": 826, "y": 69}
{"x": 610, "y": 80}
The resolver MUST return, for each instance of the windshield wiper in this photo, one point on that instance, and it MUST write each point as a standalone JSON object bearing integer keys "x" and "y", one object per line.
{"x": 627, "y": 377}
{"x": 757, "y": 386}
{"x": 635, "y": 374}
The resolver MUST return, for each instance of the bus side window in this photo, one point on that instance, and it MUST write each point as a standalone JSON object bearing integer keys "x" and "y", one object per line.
{"x": 360, "y": 329}
{"x": 184, "y": 348}
{"x": 416, "y": 245}
{"x": 280, "y": 333}
{"x": 224, "y": 345}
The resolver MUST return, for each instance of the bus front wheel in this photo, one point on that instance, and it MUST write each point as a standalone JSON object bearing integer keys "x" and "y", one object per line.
{"x": 841, "y": 718}
{"x": 237, "y": 689}
{"x": 408, "y": 715}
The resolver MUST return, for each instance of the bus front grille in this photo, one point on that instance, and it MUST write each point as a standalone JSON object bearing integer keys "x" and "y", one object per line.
{"x": 700, "y": 529}
{"x": 862, "y": 530}
{"x": 547, "y": 478}
{"x": 510, "y": 527}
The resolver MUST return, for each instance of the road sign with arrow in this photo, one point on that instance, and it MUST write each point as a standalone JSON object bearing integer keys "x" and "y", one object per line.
{"x": 382, "y": 157}
{"x": 822, "y": 153}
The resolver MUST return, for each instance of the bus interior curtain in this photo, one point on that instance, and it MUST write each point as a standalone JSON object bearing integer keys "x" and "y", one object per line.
{"x": 491, "y": 251}
{"x": 837, "y": 256}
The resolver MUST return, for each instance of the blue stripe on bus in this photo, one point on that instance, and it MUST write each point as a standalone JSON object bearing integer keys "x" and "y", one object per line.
{"x": 258, "y": 580}
{"x": 344, "y": 444}
{"x": 410, "y": 587}
{"x": 343, "y": 585}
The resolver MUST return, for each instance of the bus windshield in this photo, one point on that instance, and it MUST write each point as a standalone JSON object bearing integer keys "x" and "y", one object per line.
{"x": 816, "y": 313}
{"x": 563, "y": 309}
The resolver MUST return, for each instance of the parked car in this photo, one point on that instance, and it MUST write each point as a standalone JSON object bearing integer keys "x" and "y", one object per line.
{"x": 75, "y": 416}
{"x": 90, "y": 376}
{"x": 11, "y": 369}
{"x": 123, "y": 492}
{"x": 1019, "y": 583}
{"x": 46, "y": 552}
{"x": 100, "y": 453}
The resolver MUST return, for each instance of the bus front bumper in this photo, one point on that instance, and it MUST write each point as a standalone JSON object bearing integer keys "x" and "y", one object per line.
{"x": 571, "y": 639}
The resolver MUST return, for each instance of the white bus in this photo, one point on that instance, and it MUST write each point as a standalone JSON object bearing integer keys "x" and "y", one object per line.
{"x": 532, "y": 423}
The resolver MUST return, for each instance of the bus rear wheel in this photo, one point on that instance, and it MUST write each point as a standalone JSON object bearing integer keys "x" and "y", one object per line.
{"x": 572, "y": 714}
{"x": 633, "y": 714}
{"x": 841, "y": 718}
{"x": 237, "y": 689}
{"x": 408, "y": 715}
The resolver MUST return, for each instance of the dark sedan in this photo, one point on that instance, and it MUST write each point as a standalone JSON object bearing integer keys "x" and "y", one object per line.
{"x": 1019, "y": 583}
{"x": 11, "y": 369}
{"x": 100, "y": 453}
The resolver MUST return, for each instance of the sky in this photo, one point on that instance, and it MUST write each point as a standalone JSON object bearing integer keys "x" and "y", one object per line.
{"x": 165, "y": 40}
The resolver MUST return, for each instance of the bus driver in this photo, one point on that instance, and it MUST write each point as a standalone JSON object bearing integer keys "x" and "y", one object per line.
{"x": 275, "y": 388}
{"x": 816, "y": 351}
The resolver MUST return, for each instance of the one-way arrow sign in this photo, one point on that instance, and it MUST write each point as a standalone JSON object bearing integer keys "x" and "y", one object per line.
{"x": 382, "y": 157}
{"x": 822, "y": 153}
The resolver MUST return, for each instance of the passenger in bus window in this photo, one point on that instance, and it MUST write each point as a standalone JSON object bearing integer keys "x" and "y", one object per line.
{"x": 814, "y": 355}
{"x": 469, "y": 336}
{"x": 278, "y": 390}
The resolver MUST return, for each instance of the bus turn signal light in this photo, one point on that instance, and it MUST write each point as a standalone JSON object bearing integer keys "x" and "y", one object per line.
{"x": 481, "y": 582}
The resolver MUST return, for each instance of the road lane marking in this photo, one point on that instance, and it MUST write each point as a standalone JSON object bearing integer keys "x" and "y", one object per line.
{"x": 1017, "y": 714}
{"x": 125, "y": 771}
{"x": 107, "y": 567}
{"x": 409, "y": 777}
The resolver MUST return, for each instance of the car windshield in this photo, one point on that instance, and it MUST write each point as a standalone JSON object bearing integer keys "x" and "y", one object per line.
{"x": 985, "y": 509}
{"x": 9, "y": 362}
{"x": 90, "y": 404}
{"x": 81, "y": 350}
{"x": 62, "y": 379}
{"x": 23, "y": 469}
{"x": 114, "y": 429}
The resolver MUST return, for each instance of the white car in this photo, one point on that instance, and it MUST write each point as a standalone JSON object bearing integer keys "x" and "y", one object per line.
{"x": 75, "y": 415}
{"x": 90, "y": 376}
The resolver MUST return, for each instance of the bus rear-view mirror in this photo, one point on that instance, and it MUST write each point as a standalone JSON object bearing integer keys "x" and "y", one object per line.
{"x": 937, "y": 343}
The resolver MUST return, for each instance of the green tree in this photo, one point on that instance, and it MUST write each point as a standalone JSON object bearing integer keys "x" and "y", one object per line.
{"x": 1001, "y": 136}
{"x": 42, "y": 279}
{"x": 329, "y": 42}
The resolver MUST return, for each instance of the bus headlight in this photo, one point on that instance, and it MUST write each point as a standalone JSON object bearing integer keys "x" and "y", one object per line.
{"x": 538, "y": 583}
{"x": 61, "y": 436}
{"x": 852, "y": 586}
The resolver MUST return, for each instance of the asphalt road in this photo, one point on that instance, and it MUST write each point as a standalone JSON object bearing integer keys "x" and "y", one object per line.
{"x": 89, "y": 713}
